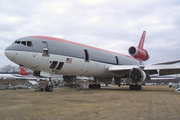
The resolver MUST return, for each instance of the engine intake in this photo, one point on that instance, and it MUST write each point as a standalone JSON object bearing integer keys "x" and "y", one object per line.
{"x": 139, "y": 53}
{"x": 137, "y": 75}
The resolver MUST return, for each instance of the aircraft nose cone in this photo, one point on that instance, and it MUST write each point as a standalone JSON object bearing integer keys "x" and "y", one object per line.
{"x": 9, "y": 54}
{"x": 12, "y": 53}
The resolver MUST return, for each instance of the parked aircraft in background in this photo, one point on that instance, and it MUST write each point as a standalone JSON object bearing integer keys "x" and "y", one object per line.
{"x": 23, "y": 71}
{"x": 47, "y": 56}
{"x": 7, "y": 76}
{"x": 24, "y": 74}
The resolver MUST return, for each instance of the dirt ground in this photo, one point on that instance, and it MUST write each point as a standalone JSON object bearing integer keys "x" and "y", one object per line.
{"x": 109, "y": 103}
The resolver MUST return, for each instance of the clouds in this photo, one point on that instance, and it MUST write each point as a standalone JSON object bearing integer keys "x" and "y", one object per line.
{"x": 113, "y": 25}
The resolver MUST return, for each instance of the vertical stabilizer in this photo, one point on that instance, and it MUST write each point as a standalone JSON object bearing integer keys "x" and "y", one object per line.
{"x": 138, "y": 52}
{"x": 141, "y": 43}
{"x": 23, "y": 71}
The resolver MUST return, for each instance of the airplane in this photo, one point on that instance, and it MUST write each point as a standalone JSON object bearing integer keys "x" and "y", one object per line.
{"x": 24, "y": 74}
{"x": 47, "y": 56}
{"x": 23, "y": 71}
{"x": 7, "y": 76}
{"x": 11, "y": 76}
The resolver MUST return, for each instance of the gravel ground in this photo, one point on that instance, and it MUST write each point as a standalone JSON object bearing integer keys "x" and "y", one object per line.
{"x": 152, "y": 103}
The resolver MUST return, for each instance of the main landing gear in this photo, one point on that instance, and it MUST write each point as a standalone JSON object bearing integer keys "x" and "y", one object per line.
{"x": 95, "y": 85}
{"x": 135, "y": 87}
{"x": 49, "y": 86}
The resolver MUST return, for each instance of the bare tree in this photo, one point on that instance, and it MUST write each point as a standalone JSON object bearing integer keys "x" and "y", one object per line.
{"x": 6, "y": 68}
{"x": 10, "y": 68}
{"x": 15, "y": 69}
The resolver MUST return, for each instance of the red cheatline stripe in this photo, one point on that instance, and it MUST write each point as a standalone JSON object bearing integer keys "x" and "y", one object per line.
{"x": 66, "y": 41}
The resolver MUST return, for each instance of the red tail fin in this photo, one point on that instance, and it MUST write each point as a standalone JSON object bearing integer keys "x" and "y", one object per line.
{"x": 141, "y": 43}
{"x": 138, "y": 52}
{"x": 23, "y": 71}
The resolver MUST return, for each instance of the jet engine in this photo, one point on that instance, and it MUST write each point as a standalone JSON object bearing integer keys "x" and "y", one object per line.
{"x": 69, "y": 79}
{"x": 137, "y": 75}
{"x": 139, "y": 53}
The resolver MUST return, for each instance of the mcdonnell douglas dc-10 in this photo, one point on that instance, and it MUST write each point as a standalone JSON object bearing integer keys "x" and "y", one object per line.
{"x": 47, "y": 56}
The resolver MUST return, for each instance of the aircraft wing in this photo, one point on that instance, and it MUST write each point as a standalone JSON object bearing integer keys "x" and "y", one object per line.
{"x": 121, "y": 70}
{"x": 170, "y": 62}
{"x": 163, "y": 69}
{"x": 150, "y": 69}
{"x": 17, "y": 75}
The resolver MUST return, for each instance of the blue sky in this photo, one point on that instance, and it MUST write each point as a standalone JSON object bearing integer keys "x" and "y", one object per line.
{"x": 113, "y": 25}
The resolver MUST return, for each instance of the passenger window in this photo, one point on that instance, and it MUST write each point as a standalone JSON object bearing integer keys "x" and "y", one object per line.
{"x": 29, "y": 44}
{"x": 23, "y": 42}
{"x": 53, "y": 65}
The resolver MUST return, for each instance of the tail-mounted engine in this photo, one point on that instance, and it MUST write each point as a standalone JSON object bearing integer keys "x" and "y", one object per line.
{"x": 139, "y": 53}
{"x": 137, "y": 75}
{"x": 69, "y": 79}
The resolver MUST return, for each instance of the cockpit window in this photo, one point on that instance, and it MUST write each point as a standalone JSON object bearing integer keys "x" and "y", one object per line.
{"x": 23, "y": 42}
{"x": 17, "y": 42}
{"x": 29, "y": 44}
{"x": 26, "y": 43}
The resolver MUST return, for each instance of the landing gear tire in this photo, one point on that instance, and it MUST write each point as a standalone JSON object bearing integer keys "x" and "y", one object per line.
{"x": 90, "y": 86}
{"x": 49, "y": 88}
{"x": 135, "y": 87}
{"x": 41, "y": 89}
{"x": 98, "y": 86}
{"x": 94, "y": 86}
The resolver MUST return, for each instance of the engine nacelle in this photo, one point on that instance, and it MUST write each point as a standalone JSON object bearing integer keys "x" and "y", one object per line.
{"x": 137, "y": 75}
{"x": 139, "y": 53}
{"x": 69, "y": 79}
